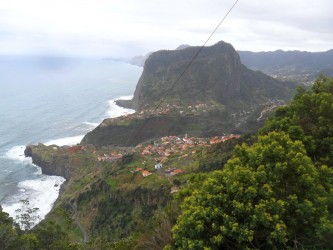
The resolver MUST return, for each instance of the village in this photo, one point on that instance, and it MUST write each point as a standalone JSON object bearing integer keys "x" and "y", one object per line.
{"x": 158, "y": 158}
{"x": 156, "y": 154}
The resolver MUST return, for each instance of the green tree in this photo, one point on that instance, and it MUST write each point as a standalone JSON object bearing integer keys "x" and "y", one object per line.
{"x": 27, "y": 216}
{"x": 8, "y": 231}
{"x": 50, "y": 236}
{"x": 309, "y": 118}
{"x": 46, "y": 235}
{"x": 269, "y": 196}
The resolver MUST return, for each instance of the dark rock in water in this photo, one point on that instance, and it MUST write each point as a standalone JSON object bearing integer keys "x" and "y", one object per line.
{"x": 28, "y": 151}
{"x": 125, "y": 103}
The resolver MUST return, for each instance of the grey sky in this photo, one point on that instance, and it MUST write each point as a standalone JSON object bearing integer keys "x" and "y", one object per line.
{"x": 113, "y": 28}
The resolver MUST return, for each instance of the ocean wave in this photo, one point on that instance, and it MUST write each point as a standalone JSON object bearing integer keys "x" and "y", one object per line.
{"x": 65, "y": 141}
{"x": 16, "y": 153}
{"x": 41, "y": 193}
{"x": 115, "y": 111}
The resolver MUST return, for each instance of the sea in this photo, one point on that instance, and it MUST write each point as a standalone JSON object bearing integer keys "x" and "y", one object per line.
{"x": 52, "y": 100}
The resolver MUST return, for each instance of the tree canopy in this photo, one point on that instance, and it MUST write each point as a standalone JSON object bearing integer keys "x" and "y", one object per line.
{"x": 47, "y": 235}
{"x": 275, "y": 194}
{"x": 309, "y": 118}
{"x": 268, "y": 196}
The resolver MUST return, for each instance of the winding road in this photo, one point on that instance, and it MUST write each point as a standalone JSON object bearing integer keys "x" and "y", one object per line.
{"x": 83, "y": 230}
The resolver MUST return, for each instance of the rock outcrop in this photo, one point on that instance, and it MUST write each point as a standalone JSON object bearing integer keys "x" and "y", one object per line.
{"x": 47, "y": 161}
{"x": 215, "y": 74}
{"x": 215, "y": 94}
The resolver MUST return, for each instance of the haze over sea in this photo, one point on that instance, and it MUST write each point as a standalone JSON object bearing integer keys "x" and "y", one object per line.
{"x": 52, "y": 100}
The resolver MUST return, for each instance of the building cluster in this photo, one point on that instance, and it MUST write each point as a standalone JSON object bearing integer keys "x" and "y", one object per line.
{"x": 169, "y": 171}
{"x": 169, "y": 145}
{"x": 160, "y": 150}
{"x": 144, "y": 172}
{"x": 173, "y": 171}
{"x": 218, "y": 139}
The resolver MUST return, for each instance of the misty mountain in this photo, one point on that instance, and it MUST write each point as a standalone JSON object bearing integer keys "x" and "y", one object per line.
{"x": 300, "y": 66}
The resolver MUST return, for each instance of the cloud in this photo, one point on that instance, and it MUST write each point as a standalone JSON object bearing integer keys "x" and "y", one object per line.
{"x": 130, "y": 27}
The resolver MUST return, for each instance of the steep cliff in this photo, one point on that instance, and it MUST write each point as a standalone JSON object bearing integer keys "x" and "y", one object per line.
{"x": 230, "y": 97}
{"x": 50, "y": 163}
{"x": 62, "y": 161}
{"x": 215, "y": 74}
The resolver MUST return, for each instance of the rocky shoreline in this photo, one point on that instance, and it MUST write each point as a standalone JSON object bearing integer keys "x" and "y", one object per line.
{"x": 49, "y": 166}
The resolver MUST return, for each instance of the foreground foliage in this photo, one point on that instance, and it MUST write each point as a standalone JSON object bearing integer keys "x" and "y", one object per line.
{"x": 268, "y": 196}
{"x": 47, "y": 235}
{"x": 275, "y": 194}
{"x": 309, "y": 118}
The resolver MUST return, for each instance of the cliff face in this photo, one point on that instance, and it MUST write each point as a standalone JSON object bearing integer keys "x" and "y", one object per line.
{"x": 50, "y": 164}
{"x": 111, "y": 133}
{"x": 214, "y": 75}
{"x": 216, "y": 94}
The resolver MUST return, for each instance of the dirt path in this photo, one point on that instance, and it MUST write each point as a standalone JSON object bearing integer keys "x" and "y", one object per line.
{"x": 83, "y": 230}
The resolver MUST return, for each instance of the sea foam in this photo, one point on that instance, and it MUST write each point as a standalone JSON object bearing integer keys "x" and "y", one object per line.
{"x": 16, "y": 153}
{"x": 65, "y": 141}
{"x": 115, "y": 111}
{"x": 40, "y": 192}
{"x": 43, "y": 191}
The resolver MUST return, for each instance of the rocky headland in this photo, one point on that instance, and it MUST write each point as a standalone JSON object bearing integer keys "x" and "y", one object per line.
{"x": 43, "y": 157}
{"x": 217, "y": 94}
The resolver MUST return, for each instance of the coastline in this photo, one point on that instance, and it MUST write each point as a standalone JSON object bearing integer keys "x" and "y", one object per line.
{"x": 59, "y": 170}
{"x": 55, "y": 113}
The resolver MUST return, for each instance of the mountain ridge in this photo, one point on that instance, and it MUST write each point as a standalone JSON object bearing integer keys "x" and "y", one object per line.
{"x": 301, "y": 66}
{"x": 292, "y": 65}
